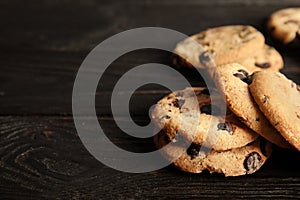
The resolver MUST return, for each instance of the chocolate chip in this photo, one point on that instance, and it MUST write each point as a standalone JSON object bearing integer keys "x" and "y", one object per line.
{"x": 252, "y": 162}
{"x": 207, "y": 109}
{"x": 257, "y": 119}
{"x": 193, "y": 150}
{"x": 225, "y": 127}
{"x": 204, "y": 58}
{"x": 167, "y": 117}
{"x": 249, "y": 79}
{"x": 243, "y": 72}
{"x": 178, "y": 103}
{"x": 298, "y": 88}
{"x": 263, "y": 65}
{"x": 263, "y": 144}
{"x": 244, "y": 76}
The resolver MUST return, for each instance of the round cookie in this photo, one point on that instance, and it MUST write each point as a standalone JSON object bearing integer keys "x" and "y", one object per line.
{"x": 232, "y": 80}
{"x": 265, "y": 59}
{"x": 284, "y": 25}
{"x": 279, "y": 100}
{"x": 223, "y": 44}
{"x": 233, "y": 162}
{"x": 180, "y": 116}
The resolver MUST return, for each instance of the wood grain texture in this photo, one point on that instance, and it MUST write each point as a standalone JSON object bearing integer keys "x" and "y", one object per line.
{"x": 41, "y": 52}
{"x": 43, "y": 85}
{"x": 42, "y": 157}
{"x": 42, "y": 45}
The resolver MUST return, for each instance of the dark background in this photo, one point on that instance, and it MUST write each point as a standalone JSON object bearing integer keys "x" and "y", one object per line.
{"x": 42, "y": 44}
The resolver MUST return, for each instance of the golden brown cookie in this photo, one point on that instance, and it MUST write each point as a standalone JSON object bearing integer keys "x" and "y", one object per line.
{"x": 180, "y": 116}
{"x": 232, "y": 80}
{"x": 223, "y": 44}
{"x": 284, "y": 25}
{"x": 233, "y": 162}
{"x": 279, "y": 99}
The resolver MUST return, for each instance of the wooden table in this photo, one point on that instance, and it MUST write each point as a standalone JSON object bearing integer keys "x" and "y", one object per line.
{"x": 43, "y": 44}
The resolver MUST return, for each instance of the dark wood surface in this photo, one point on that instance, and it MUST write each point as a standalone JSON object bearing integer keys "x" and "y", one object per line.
{"x": 42, "y": 44}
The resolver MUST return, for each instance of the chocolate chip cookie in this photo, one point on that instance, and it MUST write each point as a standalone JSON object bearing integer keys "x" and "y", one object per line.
{"x": 233, "y": 80}
{"x": 234, "y": 162}
{"x": 183, "y": 116}
{"x": 223, "y": 45}
{"x": 284, "y": 25}
{"x": 280, "y": 102}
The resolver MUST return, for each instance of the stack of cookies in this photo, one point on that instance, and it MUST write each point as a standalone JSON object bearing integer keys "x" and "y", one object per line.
{"x": 239, "y": 141}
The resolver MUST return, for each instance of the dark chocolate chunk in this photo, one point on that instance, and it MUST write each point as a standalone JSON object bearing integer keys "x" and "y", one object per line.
{"x": 178, "y": 103}
{"x": 263, "y": 65}
{"x": 193, "y": 150}
{"x": 196, "y": 151}
{"x": 252, "y": 162}
{"x": 244, "y": 76}
{"x": 249, "y": 79}
{"x": 257, "y": 119}
{"x": 167, "y": 117}
{"x": 243, "y": 72}
{"x": 206, "y": 109}
{"x": 225, "y": 127}
{"x": 240, "y": 76}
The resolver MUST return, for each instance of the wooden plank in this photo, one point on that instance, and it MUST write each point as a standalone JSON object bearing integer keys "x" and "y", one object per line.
{"x": 41, "y": 52}
{"x": 43, "y": 85}
{"x": 42, "y": 157}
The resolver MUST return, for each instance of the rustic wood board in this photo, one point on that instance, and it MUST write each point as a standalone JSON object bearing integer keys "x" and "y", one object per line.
{"x": 42, "y": 44}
